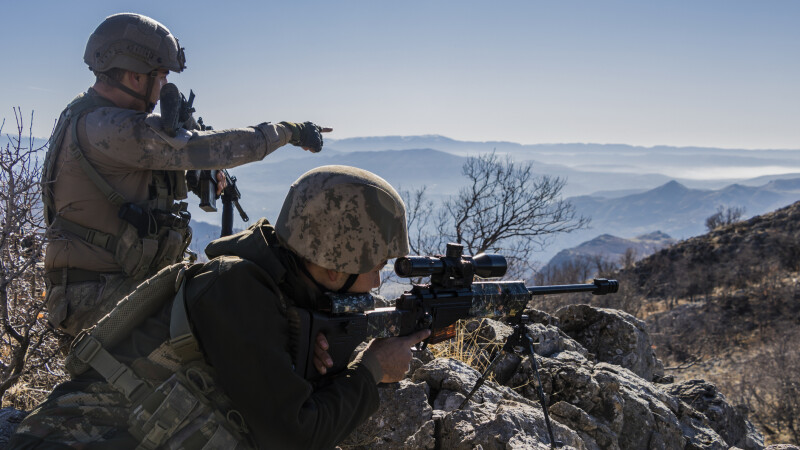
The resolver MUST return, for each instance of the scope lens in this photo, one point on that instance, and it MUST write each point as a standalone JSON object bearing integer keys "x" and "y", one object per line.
{"x": 417, "y": 266}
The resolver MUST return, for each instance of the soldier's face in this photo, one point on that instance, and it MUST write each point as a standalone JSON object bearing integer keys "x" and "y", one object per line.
{"x": 367, "y": 281}
{"x": 161, "y": 80}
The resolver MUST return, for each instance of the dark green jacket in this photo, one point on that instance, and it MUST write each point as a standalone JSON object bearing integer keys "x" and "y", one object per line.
{"x": 236, "y": 304}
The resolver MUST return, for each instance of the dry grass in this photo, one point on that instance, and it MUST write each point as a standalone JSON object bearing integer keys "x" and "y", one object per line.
{"x": 469, "y": 346}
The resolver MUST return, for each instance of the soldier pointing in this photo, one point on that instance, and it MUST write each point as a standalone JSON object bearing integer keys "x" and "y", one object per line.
{"x": 113, "y": 182}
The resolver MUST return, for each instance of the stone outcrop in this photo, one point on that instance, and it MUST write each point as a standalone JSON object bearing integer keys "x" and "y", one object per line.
{"x": 605, "y": 388}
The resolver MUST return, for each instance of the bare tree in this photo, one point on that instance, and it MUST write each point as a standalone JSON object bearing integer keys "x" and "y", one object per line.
{"x": 27, "y": 346}
{"x": 724, "y": 216}
{"x": 423, "y": 219}
{"x": 505, "y": 208}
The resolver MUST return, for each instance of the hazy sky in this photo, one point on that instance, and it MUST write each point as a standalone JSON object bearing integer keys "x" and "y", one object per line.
{"x": 720, "y": 73}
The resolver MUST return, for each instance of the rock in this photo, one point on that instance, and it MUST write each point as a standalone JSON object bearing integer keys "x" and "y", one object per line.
{"x": 404, "y": 420}
{"x": 612, "y": 336}
{"x": 536, "y": 316}
{"x": 731, "y": 424}
{"x": 9, "y": 420}
{"x": 447, "y": 377}
{"x": 507, "y": 425}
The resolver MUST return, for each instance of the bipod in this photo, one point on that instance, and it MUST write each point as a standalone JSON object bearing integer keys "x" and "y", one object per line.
{"x": 519, "y": 342}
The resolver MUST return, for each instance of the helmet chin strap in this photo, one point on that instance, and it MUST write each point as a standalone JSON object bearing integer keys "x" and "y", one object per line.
{"x": 151, "y": 81}
{"x": 347, "y": 284}
{"x": 351, "y": 279}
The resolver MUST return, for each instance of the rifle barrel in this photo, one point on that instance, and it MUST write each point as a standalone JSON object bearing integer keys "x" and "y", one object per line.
{"x": 600, "y": 286}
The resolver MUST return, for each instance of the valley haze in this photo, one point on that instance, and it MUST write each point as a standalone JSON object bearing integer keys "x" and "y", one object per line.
{"x": 627, "y": 190}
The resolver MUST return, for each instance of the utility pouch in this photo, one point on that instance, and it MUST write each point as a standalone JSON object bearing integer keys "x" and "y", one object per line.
{"x": 178, "y": 414}
{"x": 134, "y": 254}
{"x": 171, "y": 248}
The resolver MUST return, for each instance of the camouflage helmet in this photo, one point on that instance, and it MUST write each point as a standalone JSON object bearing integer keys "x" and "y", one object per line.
{"x": 133, "y": 42}
{"x": 343, "y": 218}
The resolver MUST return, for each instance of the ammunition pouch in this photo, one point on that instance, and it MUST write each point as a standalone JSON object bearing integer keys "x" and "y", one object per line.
{"x": 180, "y": 409}
{"x": 138, "y": 255}
{"x": 178, "y": 414}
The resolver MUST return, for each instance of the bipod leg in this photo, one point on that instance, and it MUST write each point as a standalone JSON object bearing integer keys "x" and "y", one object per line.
{"x": 481, "y": 380}
{"x": 540, "y": 391}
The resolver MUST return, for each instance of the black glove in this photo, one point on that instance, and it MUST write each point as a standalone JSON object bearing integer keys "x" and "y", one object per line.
{"x": 306, "y": 134}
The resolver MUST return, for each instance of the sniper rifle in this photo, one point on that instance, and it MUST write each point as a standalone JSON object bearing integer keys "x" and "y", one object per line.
{"x": 347, "y": 320}
{"x": 350, "y": 319}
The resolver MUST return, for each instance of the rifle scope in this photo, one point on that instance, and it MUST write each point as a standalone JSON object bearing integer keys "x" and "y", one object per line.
{"x": 484, "y": 265}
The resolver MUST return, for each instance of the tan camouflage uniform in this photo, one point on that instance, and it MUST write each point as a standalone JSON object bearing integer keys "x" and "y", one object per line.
{"x": 128, "y": 148}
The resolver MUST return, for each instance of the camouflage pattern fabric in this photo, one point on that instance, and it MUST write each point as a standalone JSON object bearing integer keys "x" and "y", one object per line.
{"x": 98, "y": 414}
{"x": 343, "y": 218}
{"x": 80, "y": 305}
{"x": 498, "y": 299}
{"x": 350, "y": 303}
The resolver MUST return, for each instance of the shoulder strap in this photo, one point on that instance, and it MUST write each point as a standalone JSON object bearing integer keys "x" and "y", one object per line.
{"x": 75, "y": 150}
{"x": 131, "y": 311}
{"x": 69, "y": 118}
{"x": 53, "y": 149}
{"x": 182, "y": 339}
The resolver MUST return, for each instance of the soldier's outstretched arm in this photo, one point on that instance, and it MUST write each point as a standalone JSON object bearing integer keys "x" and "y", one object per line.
{"x": 120, "y": 139}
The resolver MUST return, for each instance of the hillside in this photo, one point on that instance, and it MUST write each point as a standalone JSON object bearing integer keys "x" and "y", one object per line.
{"x": 725, "y": 306}
{"x": 673, "y": 208}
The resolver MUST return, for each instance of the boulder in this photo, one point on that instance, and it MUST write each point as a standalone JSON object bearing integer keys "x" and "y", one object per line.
{"x": 724, "y": 418}
{"x": 595, "y": 403}
{"x": 404, "y": 420}
{"x": 9, "y": 420}
{"x": 612, "y": 336}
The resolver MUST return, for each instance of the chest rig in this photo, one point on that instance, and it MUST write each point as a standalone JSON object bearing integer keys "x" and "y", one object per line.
{"x": 170, "y": 398}
{"x": 152, "y": 234}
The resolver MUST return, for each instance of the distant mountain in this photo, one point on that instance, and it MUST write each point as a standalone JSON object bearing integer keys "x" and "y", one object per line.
{"x": 612, "y": 248}
{"x": 709, "y": 167}
{"x": 202, "y": 234}
{"x": 672, "y": 208}
{"x": 265, "y": 183}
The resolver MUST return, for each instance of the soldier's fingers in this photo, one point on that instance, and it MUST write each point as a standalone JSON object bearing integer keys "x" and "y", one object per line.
{"x": 417, "y": 337}
{"x": 320, "y": 351}
{"x": 322, "y": 341}
{"x": 222, "y": 183}
{"x": 321, "y": 368}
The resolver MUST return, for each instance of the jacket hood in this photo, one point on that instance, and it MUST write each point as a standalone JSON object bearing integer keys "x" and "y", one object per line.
{"x": 259, "y": 244}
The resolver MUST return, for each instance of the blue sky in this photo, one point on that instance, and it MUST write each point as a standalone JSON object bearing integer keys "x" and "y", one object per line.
{"x": 683, "y": 73}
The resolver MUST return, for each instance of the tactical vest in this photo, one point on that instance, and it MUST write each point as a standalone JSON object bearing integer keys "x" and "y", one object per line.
{"x": 153, "y": 233}
{"x": 173, "y": 401}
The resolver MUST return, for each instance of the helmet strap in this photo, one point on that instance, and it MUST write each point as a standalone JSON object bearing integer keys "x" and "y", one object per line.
{"x": 145, "y": 98}
{"x": 347, "y": 284}
{"x": 151, "y": 81}
{"x": 302, "y": 266}
{"x": 351, "y": 279}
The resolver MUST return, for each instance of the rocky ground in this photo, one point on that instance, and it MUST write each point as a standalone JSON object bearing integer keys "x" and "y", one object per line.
{"x": 605, "y": 387}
